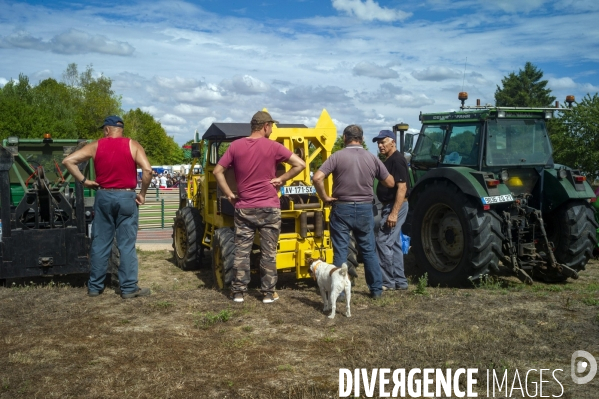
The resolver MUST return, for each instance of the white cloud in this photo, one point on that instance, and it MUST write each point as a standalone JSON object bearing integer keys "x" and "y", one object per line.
{"x": 150, "y": 109}
{"x": 205, "y": 124}
{"x": 413, "y": 101}
{"x": 561, "y": 83}
{"x": 369, "y": 10}
{"x": 171, "y": 119}
{"x": 437, "y": 74}
{"x": 245, "y": 84}
{"x": 3, "y": 81}
{"x": 72, "y": 41}
{"x": 188, "y": 109}
{"x": 373, "y": 70}
{"x": 201, "y": 95}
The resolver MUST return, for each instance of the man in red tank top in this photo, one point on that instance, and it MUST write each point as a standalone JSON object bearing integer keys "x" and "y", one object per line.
{"x": 116, "y": 159}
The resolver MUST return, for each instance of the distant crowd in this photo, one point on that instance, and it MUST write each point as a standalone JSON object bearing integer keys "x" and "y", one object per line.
{"x": 165, "y": 179}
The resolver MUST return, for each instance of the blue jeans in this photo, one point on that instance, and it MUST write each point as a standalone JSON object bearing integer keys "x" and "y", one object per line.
{"x": 115, "y": 212}
{"x": 356, "y": 218}
{"x": 388, "y": 248}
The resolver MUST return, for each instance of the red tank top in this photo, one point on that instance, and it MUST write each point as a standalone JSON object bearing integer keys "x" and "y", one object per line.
{"x": 115, "y": 167}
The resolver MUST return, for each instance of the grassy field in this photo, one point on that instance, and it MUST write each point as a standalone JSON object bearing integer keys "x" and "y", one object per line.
{"x": 187, "y": 340}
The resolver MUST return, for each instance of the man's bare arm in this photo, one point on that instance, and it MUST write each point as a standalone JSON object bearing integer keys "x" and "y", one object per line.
{"x": 318, "y": 180}
{"x": 80, "y": 156}
{"x": 297, "y": 165}
{"x": 142, "y": 162}
{"x": 219, "y": 175}
{"x": 402, "y": 188}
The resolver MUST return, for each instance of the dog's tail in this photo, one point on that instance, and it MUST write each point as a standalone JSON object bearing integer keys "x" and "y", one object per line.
{"x": 343, "y": 270}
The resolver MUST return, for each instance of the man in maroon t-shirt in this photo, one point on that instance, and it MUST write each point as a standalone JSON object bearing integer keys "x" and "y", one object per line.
{"x": 254, "y": 160}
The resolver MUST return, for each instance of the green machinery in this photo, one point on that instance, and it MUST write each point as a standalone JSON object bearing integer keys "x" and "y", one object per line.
{"x": 486, "y": 193}
{"x": 46, "y": 215}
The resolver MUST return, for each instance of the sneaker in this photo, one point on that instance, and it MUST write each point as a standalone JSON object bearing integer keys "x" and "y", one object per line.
{"x": 93, "y": 293}
{"x": 402, "y": 288}
{"x": 135, "y": 294}
{"x": 385, "y": 288}
{"x": 236, "y": 296}
{"x": 270, "y": 297}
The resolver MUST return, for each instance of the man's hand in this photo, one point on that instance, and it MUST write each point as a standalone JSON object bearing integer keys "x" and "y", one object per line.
{"x": 140, "y": 199}
{"x": 91, "y": 184}
{"x": 232, "y": 199}
{"x": 326, "y": 199}
{"x": 392, "y": 220}
{"x": 277, "y": 182}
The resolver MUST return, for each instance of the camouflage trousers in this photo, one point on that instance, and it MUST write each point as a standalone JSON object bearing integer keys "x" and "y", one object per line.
{"x": 267, "y": 221}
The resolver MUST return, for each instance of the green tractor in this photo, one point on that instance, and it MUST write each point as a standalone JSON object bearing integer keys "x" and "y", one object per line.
{"x": 486, "y": 193}
{"x": 46, "y": 216}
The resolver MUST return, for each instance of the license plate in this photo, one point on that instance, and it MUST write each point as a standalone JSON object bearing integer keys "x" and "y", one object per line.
{"x": 291, "y": 190}
{"x": 497, "y": 199}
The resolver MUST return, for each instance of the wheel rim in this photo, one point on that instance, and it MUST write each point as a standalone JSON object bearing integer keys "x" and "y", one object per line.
{"x": 180, "y": 240}
{"x": 442, "y": 238}
{"x": 218, "y": 267}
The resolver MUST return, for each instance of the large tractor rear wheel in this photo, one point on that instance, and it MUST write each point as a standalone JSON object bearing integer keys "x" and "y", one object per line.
{"x": 188, "y": 229}
{"x": 572, "y": 229}
{"x": 454, "y": 240}
{"x": 223, "y": 254}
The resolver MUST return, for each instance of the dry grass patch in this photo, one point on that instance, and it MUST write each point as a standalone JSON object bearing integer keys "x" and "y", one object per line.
{"x": 188, "y": 340}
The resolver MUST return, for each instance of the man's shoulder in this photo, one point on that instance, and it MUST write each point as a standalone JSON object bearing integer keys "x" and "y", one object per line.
{"x": 397, "y": 158}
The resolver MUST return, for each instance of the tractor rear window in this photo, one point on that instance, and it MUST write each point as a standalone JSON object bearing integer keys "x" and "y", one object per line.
{"x": 517, "y": 142}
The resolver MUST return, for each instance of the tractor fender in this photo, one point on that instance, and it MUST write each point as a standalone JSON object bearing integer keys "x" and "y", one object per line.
{"x": 468, "y": 181}
{"x": 556, "y": 191}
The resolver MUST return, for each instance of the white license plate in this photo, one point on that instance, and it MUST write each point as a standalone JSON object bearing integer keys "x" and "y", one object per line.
{"x": 290, "y": 190}
{"x": 497, "y": 199}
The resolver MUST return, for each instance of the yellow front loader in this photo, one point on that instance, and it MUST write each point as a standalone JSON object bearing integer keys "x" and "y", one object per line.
{"x": 205, "y": 217}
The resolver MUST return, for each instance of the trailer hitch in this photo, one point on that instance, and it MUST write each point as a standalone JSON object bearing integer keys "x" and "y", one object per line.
{"x": 563, "y": 269}
{"x": 513, "y": 258}
{"x": 45, "y": 261}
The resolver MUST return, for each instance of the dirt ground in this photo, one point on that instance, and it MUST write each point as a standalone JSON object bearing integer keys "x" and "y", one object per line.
{"x": 187, "y": 340}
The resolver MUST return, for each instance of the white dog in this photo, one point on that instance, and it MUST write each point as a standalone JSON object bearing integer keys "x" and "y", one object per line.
{"x": 331, "y": 281}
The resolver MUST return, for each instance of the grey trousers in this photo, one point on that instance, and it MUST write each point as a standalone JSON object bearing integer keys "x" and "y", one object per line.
{"x": 388, "y": 248}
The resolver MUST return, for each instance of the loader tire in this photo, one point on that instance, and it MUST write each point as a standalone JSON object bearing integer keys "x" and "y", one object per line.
{"x": 572, "y": 229}
{"x": 223, "y": 254}
{"x": 455, "y": 242}
{"x": 352, "y": 257}
{"x": 188, "y": 228}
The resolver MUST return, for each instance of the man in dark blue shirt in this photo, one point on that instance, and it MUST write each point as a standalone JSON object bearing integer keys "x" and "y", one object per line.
{"x": 393, "y": 215}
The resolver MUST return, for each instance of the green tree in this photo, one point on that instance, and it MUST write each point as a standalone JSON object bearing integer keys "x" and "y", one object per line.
{"x": 97, "y": 100}
{"x": 160, "y": 148}
{"x": 525, "y": 89}
{"x": 574, "y": 136}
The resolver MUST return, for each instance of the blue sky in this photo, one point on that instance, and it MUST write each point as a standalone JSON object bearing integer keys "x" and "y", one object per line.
{"x": 375, "y": 63}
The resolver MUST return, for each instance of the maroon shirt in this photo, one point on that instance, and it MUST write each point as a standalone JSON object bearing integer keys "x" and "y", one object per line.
{"x": 115, "y": 167}
{"x": 254, "y": 162}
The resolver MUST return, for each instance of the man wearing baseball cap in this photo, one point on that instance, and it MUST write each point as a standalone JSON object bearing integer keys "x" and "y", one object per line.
{"x": 393, "y": 214}
{"x": 254, "y": 160}
{"x": 116, "y": 159}
{"x": 354, "y": 170}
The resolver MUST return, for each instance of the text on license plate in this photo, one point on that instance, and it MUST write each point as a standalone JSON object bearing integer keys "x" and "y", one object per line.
{"x": 290, "y": 190}
{"x": 497, "y": 199}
